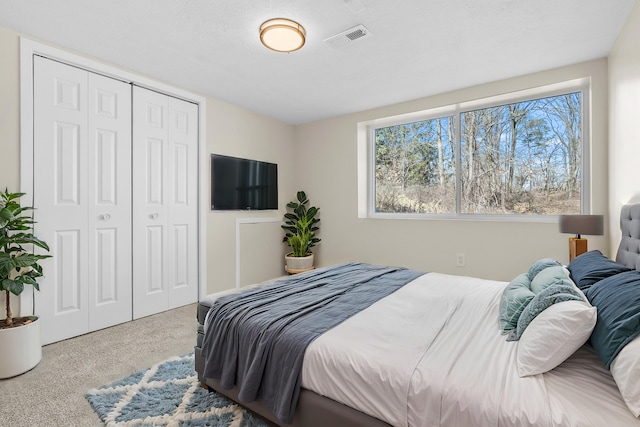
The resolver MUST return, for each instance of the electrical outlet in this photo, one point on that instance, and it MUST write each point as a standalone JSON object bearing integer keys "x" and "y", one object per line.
{"x": 460, "y": 261}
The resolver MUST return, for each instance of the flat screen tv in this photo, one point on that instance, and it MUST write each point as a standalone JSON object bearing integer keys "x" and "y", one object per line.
{"x": 243, "y": 184}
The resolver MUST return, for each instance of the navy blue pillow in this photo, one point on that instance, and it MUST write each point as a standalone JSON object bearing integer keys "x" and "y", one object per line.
{"x": 617, "y": 299}
{"x": 592, "y": 267}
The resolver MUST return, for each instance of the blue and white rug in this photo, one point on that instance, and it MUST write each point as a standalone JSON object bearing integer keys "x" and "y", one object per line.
{"x": 167, "y": 394}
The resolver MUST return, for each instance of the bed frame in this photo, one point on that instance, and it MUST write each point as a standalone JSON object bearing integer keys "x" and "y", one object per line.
{"x": 314, "y": 410}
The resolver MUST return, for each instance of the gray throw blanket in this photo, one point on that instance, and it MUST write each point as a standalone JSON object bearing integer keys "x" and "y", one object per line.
{"x": 256, "y": 340}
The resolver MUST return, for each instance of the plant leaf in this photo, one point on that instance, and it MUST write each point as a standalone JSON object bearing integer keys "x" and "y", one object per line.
{"x": 23, "y": 238}
{"x": 302, "y": 197}
{"x": 13, "y": 286}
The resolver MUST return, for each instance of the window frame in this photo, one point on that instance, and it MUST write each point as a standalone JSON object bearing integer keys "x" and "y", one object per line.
{"x": 367, "y": 130}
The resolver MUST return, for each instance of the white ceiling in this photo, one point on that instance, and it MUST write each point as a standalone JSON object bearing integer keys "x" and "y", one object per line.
{"x": 417, "y": 48}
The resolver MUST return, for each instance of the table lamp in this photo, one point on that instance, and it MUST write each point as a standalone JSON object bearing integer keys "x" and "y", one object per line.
{"x": 592, "y": 225}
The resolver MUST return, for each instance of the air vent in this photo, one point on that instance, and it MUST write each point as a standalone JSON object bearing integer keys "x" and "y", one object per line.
{"x": 347, "y": 37}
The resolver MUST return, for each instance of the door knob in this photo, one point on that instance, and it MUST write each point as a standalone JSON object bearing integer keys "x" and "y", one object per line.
{"x": 154, "y": 216}
{"x": 106, "y": 217}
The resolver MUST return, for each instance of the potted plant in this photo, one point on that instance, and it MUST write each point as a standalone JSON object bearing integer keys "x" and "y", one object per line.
{"x": 300, "y": 227}
{"x": 19, "y": 336}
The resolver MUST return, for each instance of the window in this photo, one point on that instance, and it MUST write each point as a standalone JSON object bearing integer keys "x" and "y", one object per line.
{"x": 520, "y": 158}
{"x": 415, "y": 167}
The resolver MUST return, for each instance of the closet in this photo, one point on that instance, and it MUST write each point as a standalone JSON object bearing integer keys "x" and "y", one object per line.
{"x": 115, "y": 197}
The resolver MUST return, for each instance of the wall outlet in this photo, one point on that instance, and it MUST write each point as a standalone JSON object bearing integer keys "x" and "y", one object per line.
{"x": 460, "y": 261}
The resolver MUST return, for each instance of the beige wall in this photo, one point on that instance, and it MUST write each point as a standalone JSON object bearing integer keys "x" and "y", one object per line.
{"x": 237, "y": 132}
{"x": 326, "y": 159}
{"x": 9, "y": 111}
{"x": 624, "y": 118}
{"x": 230, "y": 130}
{"x": 9, "y": 122}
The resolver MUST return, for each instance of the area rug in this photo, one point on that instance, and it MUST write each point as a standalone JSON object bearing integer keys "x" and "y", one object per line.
{"x": 167, "y": 394}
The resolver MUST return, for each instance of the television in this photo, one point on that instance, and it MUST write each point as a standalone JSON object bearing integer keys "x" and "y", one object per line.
{"x": 243, "y": 184}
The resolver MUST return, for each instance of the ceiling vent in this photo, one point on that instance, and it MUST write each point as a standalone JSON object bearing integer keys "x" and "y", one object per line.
{"x": 347, "y": 37}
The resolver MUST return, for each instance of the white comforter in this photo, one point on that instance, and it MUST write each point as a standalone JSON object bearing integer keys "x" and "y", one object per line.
{"x": 431, "y": 354}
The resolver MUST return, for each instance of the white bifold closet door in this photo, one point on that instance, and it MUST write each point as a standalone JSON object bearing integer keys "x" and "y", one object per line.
{"x": 165, "y": 220}
{"x": 82, "y": 196}
{"x": 117, "y": 204}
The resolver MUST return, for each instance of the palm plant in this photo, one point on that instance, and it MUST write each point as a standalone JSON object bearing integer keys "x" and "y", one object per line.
{"x": 300, "y": 226}
{"x": 18, "y": 267}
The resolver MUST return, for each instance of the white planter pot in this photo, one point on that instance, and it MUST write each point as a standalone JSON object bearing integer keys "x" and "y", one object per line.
{"x": 295, "y": 263}
{"x": 21, "y": 349}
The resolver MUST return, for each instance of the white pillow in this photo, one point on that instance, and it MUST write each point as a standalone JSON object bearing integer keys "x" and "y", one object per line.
{"x": 625, "y": 370}
{"x": 554, "y": 335}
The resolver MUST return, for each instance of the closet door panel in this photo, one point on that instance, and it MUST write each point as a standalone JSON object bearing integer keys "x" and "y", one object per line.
{"x": 183, "y": 202}
{"x": 150, "y": 235}
{"x": 165, "y": 202}
{"x": 109, "y": 176}
{"x": 60, "y": 189}
{"x": 82, "y": 196}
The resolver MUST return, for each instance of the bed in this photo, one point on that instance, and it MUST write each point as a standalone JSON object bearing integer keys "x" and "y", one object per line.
{"x": 557, "y": 346}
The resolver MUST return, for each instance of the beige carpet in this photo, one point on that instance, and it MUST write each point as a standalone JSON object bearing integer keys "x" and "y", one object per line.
{"x": 52, "y": 394}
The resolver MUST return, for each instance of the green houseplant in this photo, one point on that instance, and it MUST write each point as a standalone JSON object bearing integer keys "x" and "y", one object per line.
{"x": 19, "y": 337}
{"x": 300, "y": 226}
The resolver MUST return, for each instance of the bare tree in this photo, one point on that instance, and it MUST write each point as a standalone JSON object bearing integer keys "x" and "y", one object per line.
{"x": 522, "y": 157}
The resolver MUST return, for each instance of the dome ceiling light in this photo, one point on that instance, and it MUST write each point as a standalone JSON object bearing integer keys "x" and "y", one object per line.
{"x": 282, "y": 35}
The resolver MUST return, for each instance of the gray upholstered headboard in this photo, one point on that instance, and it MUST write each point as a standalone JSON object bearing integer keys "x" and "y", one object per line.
{"x": 629, "y": 249}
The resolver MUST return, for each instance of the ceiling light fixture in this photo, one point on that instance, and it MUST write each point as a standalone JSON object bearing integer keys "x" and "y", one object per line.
{"x": 282, "y": 35}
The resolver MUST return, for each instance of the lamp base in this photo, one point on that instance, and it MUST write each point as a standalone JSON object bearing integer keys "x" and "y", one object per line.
{"x": 577, "y": 246}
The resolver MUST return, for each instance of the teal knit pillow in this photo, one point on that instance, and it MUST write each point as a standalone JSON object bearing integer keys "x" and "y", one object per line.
{"x": 540, "y": 265}
{"x": 560, "y": 291}
{"x": 515, "y": 298}
{"x": 548, "y": 277}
